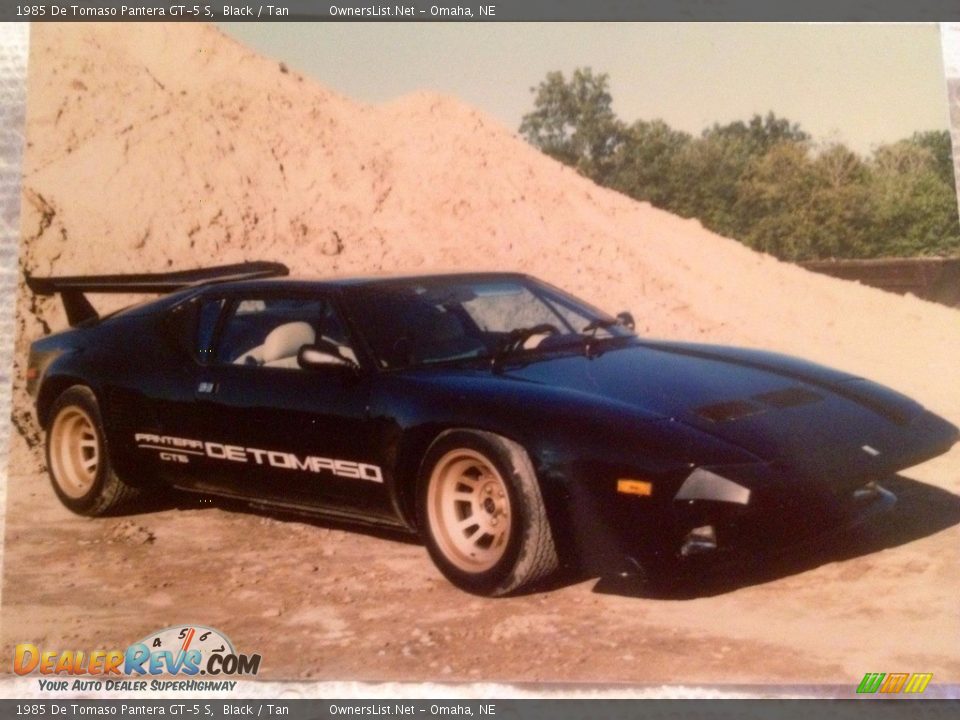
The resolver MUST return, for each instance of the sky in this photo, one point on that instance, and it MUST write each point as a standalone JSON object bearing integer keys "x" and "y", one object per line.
{"x": 861, "y": 84}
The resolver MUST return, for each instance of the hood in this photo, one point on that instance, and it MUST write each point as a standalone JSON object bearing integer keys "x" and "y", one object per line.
{"x": 802, "y": 415}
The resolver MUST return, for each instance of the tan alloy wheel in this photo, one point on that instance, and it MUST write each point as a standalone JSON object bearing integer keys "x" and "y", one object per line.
{"x": 468, "y": 508}
{"x": 74, "y": 452}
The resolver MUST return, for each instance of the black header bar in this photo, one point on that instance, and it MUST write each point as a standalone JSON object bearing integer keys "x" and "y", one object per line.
{"x": 484, "y": 10}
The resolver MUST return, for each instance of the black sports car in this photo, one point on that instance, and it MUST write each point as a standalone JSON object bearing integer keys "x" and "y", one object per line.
{"x": 511, "y": 425}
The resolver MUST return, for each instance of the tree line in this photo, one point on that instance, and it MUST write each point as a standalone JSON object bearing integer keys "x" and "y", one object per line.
{"x": 763, "y": 181}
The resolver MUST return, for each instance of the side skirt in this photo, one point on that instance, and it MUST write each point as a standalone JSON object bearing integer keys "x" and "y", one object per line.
{"x": 323, "y": 513}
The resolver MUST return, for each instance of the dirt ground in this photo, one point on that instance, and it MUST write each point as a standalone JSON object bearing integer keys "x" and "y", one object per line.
{"x": 323, "y": 602}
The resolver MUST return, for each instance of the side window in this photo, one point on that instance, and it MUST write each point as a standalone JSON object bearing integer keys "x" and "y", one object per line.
{"x": 269, "y": 332}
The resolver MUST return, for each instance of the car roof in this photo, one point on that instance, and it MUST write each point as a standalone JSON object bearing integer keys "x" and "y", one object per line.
{"x": 357, "y": 281}
{"x": 213, "y": 287}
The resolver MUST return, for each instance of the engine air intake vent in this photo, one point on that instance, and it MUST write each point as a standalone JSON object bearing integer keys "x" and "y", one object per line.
{"x": 789, "y": 397}
{"x": 725, "y": 411}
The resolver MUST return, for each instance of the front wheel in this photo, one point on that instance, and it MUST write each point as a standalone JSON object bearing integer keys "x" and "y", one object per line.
{"x": 482, "y": 515}
{"x": 77, "y": 458}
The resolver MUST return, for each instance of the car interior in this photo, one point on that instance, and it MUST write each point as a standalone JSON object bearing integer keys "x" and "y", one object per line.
{"x": 263, "y": 335}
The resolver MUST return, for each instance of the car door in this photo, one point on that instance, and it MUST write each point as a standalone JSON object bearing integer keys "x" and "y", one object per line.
{"x": 166, "y": 428}
{"x": 272, "y": 429}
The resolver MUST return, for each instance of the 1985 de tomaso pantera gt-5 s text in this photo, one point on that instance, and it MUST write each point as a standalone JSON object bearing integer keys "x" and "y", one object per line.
{"x": 511, "y": 425}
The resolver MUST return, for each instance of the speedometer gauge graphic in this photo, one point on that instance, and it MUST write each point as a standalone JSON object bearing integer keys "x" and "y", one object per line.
{"x": 183, "y": 638}
{"x": 188, "y": 650}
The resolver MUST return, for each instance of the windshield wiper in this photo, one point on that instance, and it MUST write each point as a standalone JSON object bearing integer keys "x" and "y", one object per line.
{"x": 599, "y": 324}
{"x": 515, "y": 339}
{"x": 589, "y": 333}
{"x": 623, "y": 319}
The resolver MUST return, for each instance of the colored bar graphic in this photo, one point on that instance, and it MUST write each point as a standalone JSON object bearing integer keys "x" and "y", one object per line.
{"x": 892, "y": 683}
{"x": 871, "y": 682}
{"x": 918, "y": 682}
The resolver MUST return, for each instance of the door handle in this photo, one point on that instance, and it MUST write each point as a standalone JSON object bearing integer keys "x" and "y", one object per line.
{"x": 206, "y": 388}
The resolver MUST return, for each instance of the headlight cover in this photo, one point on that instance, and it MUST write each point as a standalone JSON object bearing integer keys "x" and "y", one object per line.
{"x": 703, "y": 484}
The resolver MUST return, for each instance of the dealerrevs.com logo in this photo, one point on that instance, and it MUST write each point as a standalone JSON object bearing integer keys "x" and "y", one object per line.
{"x": 186, "y": 650}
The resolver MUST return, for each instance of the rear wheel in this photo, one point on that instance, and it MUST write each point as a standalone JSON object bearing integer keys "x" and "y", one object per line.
{"x": 77, "y": 456}
{"x": 482, "y": 515}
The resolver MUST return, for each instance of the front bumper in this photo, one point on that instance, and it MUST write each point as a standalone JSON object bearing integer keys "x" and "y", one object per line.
{"x": 772, "y": 523}
{"x": 695, "y": 535}
{"x": 793, "y": 529}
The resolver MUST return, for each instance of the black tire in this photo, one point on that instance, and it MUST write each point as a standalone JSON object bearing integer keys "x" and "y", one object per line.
{"x": 78, "y": 459}
{"x": 481, "y": 514}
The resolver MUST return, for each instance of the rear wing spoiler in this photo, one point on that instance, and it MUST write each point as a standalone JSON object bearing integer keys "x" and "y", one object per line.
{"x": 71, "y": 289}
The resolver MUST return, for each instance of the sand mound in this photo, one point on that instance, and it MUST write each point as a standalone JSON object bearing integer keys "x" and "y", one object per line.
{"x": 154, "y": 146}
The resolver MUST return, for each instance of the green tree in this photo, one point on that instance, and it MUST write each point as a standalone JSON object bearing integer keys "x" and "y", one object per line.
{"x": 915, "y": 208}
{"x": 845, "y": 216}
{"x": 713, "y": 165}
{"x": 939, "y": 145}
{"x": 574, "y": 122}
{"x": 800, "y": 207}
{"x": 760, "y": 181}
{"x": 645, "y": 165}
{"x": 708, "y": 170}
{"x": 760, "y": 133}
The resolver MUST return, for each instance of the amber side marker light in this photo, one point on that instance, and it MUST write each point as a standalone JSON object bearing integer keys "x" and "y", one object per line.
{"x": 634, "y": 487}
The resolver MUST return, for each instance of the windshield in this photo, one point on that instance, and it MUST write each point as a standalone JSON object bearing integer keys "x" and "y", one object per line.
{"x": 444, "y": 319}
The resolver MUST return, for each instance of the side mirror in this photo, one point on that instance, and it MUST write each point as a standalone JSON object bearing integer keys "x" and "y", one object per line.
{"x": 323, "y": 354}
{"x": 626, "y": 319}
